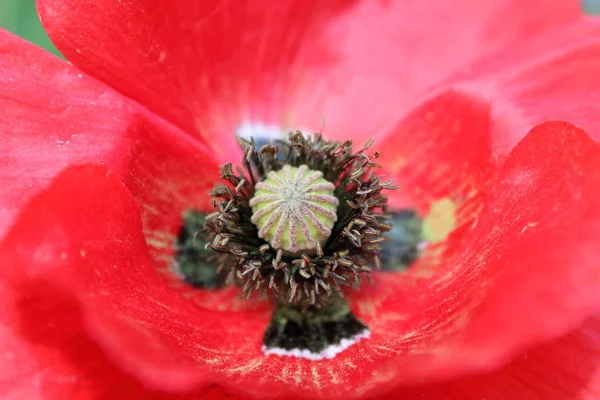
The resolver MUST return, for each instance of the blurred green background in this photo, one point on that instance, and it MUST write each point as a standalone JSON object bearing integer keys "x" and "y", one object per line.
{"x": 20, "y": 17}
{"x": 591, "y": 6}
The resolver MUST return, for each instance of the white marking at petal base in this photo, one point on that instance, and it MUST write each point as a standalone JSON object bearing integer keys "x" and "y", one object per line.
{"x": 423, "y": 245}
{"x": 258, "y": 130}
{"x": 328, "y": 352}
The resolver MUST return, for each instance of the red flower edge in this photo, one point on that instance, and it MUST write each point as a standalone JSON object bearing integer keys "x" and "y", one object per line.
{"x": 309, "y": 60}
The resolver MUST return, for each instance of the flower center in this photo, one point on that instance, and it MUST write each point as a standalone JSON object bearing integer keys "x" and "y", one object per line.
{"x": 304, "y": 218}
{"x": 294, "y": 208}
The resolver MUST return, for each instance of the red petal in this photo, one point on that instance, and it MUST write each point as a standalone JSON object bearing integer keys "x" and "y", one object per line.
{"x": 441, "y": 152}
{"x": 527, "y": 273}
{"x": 389, "y": 52}
{"x": 45, "y": 347}
{"x": 564, "y": 369}
{"x": 48, "y": 355}
{"x": 441, "y": 149}
{"x": 170, "y": 173}
{"x": 84, "y": 238}
{"x": 551, "y": 77}
{"x": 208, "y": 66}
{"x": 535, "y": 243}
{"x": 51, "y": 115}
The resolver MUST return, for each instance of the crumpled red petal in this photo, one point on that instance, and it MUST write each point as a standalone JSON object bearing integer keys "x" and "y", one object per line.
{"x": 526, "y": 273}
{"x": 86, "y": 224}
{"x": 51, "y": 115}
{"x": 391, "y": 52}
{"x": 78, "y": 247}
{"x": 442, "y": 149}
{"x": 74, "y": 367}
{"x": 441, "y": 152}
{"x": 538, "y": 233}
{"x": 564, "y": 369}
{"x": 451, "y": 323}
{"x": 47, "y": 353}
{"x": 551, "y": 77}
{"x": 206, "y": 66}
{"x": 54, "y": 116}
{"x": 210, "y": 65}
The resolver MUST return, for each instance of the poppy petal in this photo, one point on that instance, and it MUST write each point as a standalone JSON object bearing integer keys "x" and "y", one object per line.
{"x": 536, "y": 240}
{"x": 206, "y": 66}
{"x": 527, "y": 272}
{"x": 84, "y": 225}
{"x": 51, "y": 115}
{"x": 550, "y": 77}
{"x": 210, "y": 66}
{"x": 440, "y": 149}
{"x": 390, "y": 53}
{"x": 440, "y": 155}
{"x": 48, "y": 354}
{"x": 445, "y": 326}
{"x": 564, "y": 369}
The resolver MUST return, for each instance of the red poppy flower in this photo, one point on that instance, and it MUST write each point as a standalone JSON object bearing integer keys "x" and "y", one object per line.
{"x": 101, "y": 158}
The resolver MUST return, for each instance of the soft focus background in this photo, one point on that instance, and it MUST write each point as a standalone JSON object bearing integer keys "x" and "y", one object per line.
{"x": 591, "y": 6}
{"x": 20, "y": 17}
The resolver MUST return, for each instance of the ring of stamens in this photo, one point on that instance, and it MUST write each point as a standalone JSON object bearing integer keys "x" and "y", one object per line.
{"x": 339, "y": 252}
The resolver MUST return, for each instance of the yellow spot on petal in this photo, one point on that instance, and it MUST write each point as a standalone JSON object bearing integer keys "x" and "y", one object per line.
{"x": 440, "y": 221}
